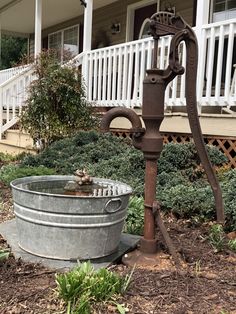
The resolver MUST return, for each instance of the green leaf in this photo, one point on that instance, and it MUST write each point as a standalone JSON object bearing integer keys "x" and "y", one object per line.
{"x": 4, "y": 254}
{"x": 121, "y": 309}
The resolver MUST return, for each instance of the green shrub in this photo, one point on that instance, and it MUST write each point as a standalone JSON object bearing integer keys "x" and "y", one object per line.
{"x": 86, "y": 147}
{"x": 127, "y": 167}
{"x": 12, "y": 172}
{"x": 56, "y": 106}
{"x": 217, "y": 158}
{"x": 188, "y": 201}
{"x": 184, "y": 156}
{"x": 102, "y": 155}
{"x": 176, "y": 157}
{"x": 170, "y": 179}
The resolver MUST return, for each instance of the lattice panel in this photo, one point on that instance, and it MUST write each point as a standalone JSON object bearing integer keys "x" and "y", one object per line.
{"x": 226, "y": 145}
{"x": 121, "y": 133}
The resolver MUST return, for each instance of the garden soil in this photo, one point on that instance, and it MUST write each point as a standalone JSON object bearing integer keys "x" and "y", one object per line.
{"x": 206, "y": 282}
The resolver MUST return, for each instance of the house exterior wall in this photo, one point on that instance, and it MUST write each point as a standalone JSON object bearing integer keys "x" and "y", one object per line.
{"x": 104, "y": 17}
{"x": 116, "y": 12}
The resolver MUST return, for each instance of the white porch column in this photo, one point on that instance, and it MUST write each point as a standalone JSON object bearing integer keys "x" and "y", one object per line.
{"x": 203, "y": 12}
{"x": 38, "y": 28}
{"x": 88, "y": 21}
{"x": 87, "y": 39}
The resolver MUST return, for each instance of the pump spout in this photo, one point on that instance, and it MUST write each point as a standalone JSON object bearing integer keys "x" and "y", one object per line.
{"x": 137, "y": 130}
{"x": 121, "y": 112}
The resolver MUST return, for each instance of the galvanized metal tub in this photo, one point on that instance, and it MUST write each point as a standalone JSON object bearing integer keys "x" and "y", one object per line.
{"x": 69, "y": 227}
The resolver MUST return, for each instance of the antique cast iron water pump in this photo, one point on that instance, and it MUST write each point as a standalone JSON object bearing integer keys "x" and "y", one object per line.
{"x": 149, "y": 139}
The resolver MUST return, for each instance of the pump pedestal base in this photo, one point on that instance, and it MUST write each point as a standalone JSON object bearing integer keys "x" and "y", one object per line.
{"x": 148, "y": 246}
{"x": 158, "y": 260}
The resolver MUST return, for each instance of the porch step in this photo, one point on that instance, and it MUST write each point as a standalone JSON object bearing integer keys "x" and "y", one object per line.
{"x": 19, "y": 138}
{"x": 16, "y": 142}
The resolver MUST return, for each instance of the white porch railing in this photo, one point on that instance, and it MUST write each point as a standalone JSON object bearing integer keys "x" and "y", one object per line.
{"x": 216, "y": 64}
{"x": 114, "y": 75}
{"x": 13, "y": 94}
{"x": 9, "y": 73}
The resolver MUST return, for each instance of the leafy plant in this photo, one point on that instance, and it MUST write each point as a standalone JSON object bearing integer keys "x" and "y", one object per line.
{"x": 217, "y": 237}
{"x": 135, "y": 216}
{"x": 232, "y": 245}
{"x": 11, "y": 172}
{"x": 83, "y": 286}
{"x": 4, "y": 254}
{"x": 56, "y": 106}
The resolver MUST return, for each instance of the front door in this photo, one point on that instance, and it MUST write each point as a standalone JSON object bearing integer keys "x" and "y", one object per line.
{"x": 140, "y": 17}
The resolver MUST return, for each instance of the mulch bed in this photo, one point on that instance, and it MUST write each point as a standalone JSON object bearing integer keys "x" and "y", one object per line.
{"x": 205, "y": 284}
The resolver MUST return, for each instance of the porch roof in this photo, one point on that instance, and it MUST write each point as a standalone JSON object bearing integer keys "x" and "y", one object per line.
{"x": 17, "y": 16}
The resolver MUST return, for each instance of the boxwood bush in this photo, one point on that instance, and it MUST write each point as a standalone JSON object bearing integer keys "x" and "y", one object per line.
{"x": 11, "y": 172}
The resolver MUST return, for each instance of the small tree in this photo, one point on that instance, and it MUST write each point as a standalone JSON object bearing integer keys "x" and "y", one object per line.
{"x": 56, "y": 106}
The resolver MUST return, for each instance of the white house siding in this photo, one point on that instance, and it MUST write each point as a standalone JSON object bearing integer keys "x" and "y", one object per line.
{"x": 116, "y": 12}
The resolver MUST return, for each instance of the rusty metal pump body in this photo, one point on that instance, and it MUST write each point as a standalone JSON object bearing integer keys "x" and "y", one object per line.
{"x": 149, "y": 139}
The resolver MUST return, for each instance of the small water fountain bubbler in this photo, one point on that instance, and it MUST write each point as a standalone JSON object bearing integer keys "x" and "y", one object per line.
{"x": 149, "y": 139}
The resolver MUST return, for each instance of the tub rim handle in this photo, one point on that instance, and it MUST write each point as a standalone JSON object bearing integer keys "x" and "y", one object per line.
{"x": 110, "y": 211}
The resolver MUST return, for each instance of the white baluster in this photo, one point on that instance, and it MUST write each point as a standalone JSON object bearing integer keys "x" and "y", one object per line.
{"x": 104, "y": 77}
{"x": 114, "y": 76}
{"x": 219, "y": 64}
{"x": 210, "y": 62}
{"x": 109, "y": 75}
{"x": 130, "y": 75}
{"x": 95, "y": 76}
{"x": 229, "y": 61}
